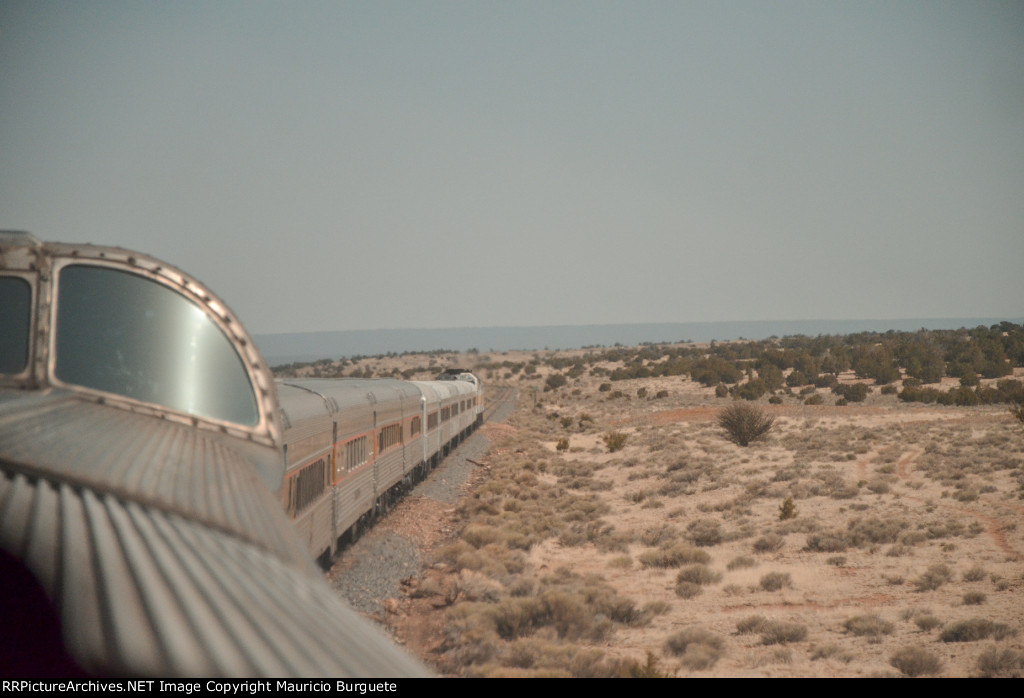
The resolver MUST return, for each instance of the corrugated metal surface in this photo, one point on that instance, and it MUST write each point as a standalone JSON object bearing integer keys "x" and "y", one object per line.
{"x": 353, "y": 497}
{"x": 388, "y": 470}
{"x": 412, "y": 452}
{"x": 315, "y": 525}
{"x": 193, "y": 473}
{"x": 142, "y": 591}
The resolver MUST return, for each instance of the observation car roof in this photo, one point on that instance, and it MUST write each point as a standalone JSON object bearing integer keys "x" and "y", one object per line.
{"x": 150, "y": 519}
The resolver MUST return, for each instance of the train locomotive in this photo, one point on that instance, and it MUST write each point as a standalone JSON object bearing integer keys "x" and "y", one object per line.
{"x": 145, "y": 454}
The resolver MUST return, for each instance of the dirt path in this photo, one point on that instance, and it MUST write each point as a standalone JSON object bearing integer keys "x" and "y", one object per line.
{"x": 903, "y": 464}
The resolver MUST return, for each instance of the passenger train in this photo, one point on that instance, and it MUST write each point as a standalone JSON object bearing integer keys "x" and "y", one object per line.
{"x": 351, "y": 446}
{"x": 145, "y": 455}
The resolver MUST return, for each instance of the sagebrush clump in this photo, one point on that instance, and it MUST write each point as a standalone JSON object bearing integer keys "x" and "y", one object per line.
{"x": 870, "y": 626}
{"x": 974, "y": 629}
{"x": 933, "y": 578}
{"x": 745, "y": 423}
{"x": 768, "y": 543}
{"x": 674, "y": 556}
{"x": 1005, "y": 663}
{"x": 705, "y": 532}
{"x": 916, "y": 661}
{"x": 777, "y": 632}
{"x": 615, "y": 441}
{"x": 774, "y": 581}
{"x": 699, "y": 648}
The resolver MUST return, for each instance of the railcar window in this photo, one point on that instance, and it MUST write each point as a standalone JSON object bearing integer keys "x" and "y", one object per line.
{"x": 306, "y": 487}
{"x": 355, "y": 453}
{"x": 415, "y": 426}
{"x": 389, "y": 436}
{"x": 15, "y": 321}
{"x": 125, "y": 334}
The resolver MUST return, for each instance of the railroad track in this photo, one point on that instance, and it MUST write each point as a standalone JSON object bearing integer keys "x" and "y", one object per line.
{"x": 499, "y": 396}
{"x": 502, "y": 394}
{"x": 372, "y": 568}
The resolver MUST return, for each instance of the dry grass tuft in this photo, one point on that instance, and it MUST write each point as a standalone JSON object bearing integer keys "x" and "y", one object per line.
{"x": 870, "y": 626}
{"x": 699, "y": 648}
{"x": 775, "y": 581}
{"x": 615, "y": 441}
{"x": 705, "y": 532}
{"x": 975, "y": 574}
{"x": 741, "y": 562}
{"x": 916, "y": 661}
{"x": 751, "y": 624}
{"x": 993, "y": 663}
{"x": 650, "y": 669}
{"x": 769, "y": 543}
{"x": 675, "y": 556}
{"x": 927, "y": 621}
{"x": 777, "y": 632}
{"x": 699, "y": 574}
{"x": 688, "y": 590}
{"x": 831, "y": 651}
{"x": 933, "y": 578}
{"x": 975, "y": 629}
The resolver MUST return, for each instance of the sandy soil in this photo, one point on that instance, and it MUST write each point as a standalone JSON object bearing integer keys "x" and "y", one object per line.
{"x": 907, "y": 527}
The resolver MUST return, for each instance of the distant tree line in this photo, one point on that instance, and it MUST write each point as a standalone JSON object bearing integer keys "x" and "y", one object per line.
{"x": 752, "y": 369}
{"x": 904, "y": 363}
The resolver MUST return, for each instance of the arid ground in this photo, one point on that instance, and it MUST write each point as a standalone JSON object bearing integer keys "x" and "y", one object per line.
{"x": 900, "y": 550}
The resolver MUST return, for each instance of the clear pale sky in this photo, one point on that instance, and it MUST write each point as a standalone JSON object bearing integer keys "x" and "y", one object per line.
{"x": 362, "y": 165}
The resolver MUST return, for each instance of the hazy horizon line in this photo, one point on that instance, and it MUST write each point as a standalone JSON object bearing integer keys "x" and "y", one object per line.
{"x": 944, "y": 319}
{"x": 293, "y": 347}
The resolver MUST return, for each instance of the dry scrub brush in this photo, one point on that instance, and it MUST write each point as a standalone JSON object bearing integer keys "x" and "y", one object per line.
{"x": 916, "y": 661}
{"x": 615, "y": 441}
{"x": 744, "y": 423}
{"x": 974, "y": 629}
{"x": 870, "y": 626}
{"x": 699, "y": 648}
{"x": 1005, "y": 663}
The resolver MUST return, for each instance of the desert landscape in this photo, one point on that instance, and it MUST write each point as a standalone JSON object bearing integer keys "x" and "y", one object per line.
{"x": 614, "y": 529}
{"x": 571, "y": 200}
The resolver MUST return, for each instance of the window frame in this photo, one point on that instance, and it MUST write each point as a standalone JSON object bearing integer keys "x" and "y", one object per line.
{"x": 265, "y": 430}
{"x": 25, "y": 374}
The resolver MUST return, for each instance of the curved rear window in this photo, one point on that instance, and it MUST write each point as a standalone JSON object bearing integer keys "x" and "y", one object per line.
{"x": 15, "y": 323}
{"x": 126, "y": 334}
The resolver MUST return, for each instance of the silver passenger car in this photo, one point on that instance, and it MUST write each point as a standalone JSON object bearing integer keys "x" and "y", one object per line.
{"x": 141, "y": 473}
{"x": 353, "y": 446}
